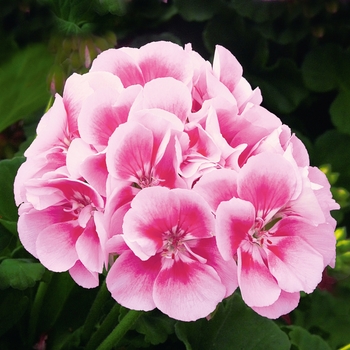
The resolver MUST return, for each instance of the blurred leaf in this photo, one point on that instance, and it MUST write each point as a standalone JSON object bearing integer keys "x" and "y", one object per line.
{"x": 320, "y": 68}
{"x": 116, "y": 7}
{"x": 58, "y": 291}
{"x": 259, "y": 11}
{"x": 282, "y": 86}
{"x": 20, "y": 274}
{"x": 13, "y": 304}
{"x": 330, "y": 148}
{"x": 155, "y": 326}
{"x": 301, "y": 338}
{"x": 325, "y": 315}
{"x": 232, "y": 328}
{"x": 8, "y": 171}
{"x": 23, "y": 84}
{"x": 198, "y": 10}
{"x": 340, "y": 111}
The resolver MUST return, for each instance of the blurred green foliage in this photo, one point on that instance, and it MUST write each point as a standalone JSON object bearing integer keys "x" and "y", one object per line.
{"x": 296, "y": 51}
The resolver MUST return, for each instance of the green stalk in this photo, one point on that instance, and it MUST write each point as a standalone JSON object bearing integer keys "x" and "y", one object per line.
{"x": 119, "y": 331}
{"x": 95, "y": 312}
{"x": 34, "y": 313}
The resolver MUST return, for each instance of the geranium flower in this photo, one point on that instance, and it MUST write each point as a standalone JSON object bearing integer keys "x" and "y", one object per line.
{"x": 58, "y": 225}
{"x": 172, "y": 262}
{"x": 279, "y": 251}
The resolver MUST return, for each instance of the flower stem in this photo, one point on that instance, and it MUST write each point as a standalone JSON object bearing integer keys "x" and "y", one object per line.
{"x": 119, "y": 331}
{"x": 34, "y": 313}
{"x": 95, "y": 311}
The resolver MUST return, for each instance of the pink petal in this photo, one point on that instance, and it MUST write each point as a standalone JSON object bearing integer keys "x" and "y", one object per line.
{"x": 268, "y": 181}
{"x": 121, "y": 64}
{"x": 167, "y": 94}
{"x": 52, "y": 130}
{"x": 165, "y": 59}
{"x": 294, "y": 263}
{"x": 103, "y": 112}
{"x": 82, "y": 276}
{"x": 129, "y": 153}
{"x": 78, "y": 151}
{"x": 131, "y": 280}
{"x": 94, "y": 171}
{"x": 89, "y": 250}
{"x": 282, "y": 306}
{"x": 55, "y": 246}
{"x": 187, "y": 290}
{"x": 217, "y": 186}
{"x": 227, "y": 270}
{"x": 257, "y": 285}
{"x": 31, "y": 222}
{"x": 234, "y": 219}
{"x": 226, "y": 67}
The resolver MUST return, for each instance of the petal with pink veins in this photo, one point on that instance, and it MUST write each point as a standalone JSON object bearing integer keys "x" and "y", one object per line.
{"x": 88, "y": 248}
{"x": 167, "y": 94}
{"x": 131, "y": 280}
{"x": 165, "y": 59}
{"x": 234, "y": 219}
{"x": 282, "y": 306}
{"x": 217, "y": 186}
{"x": 294, "y": 263}
{"x": 121, "y": 63}
{"x": 257, "y": 285}
{"x": 268, "y": 181}
{"x": 55, "y": 246}
{"x": 129, "y": 153}
{"x": 83, "y": 277}
{"x": 187, "y": 290}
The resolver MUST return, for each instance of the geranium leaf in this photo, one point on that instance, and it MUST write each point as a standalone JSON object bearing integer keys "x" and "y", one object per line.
{"x": 198, "y": 10}
{"x": 231, "y": 328}
{"x": 23, "y": 84}
{"x": 340, "y": 111}
{"x": 13, "y": 304}
{"x": 282, "y": 86}
{"x": 304, "y": 340}
{"x": 8, "y": 171}
{"x": 155, "y": 326}
{"x": 19, "y": 273}
{"x": 319, "y": 68}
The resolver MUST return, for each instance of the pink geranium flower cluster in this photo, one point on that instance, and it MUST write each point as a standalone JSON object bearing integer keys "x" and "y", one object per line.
{"x": 165, "y": 170}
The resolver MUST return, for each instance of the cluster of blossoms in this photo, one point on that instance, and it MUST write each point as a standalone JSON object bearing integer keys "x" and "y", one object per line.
{"x": 165, "y": 170}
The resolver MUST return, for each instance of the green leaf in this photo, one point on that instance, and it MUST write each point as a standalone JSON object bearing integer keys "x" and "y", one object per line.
{"x": 8, "y": 171}
{"x": 282, "y": 86}
{"x": 13, "y": 305}
{"x": 57, "y": 293}
{"x": 340, "y": 111}
{"x": 304, "y": 340}
{"x": 23, "y": 84}
{"x": 232, "y": 328}
{"x": 331, "y": 148}
{"x": 19, "y": 273}
{"x": 155, "y": 326}
{"x": 198, "y": 10}
{"x": 325, "y": 315}
{"x": 320, "y": 68}
{"x": 258, "y": 11}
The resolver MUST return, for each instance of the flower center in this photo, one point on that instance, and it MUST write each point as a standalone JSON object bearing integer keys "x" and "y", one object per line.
{"x": 259, "y": 234}
{"x": 173, "y": 243}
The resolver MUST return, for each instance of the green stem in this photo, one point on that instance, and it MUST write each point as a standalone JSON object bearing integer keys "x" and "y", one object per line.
{"x": 105, "y": 329}
{"x": 95, "y": 312}
{"x": 34, "y": 313}
{"x": 119, "y": 331}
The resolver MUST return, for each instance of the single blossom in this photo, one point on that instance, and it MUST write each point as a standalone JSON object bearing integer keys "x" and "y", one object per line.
{"x": 279, "y": 252}
{"x": 172, "y": 262}
{"x": 59, "y": 225}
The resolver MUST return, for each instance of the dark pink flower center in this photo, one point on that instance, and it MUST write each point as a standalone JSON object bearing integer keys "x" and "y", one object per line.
{"x": 173, "y": 242}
